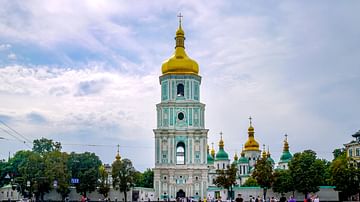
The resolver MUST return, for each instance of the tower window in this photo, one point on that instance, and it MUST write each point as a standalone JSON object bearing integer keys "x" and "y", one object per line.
{"x": 180, "y": 90}
{"x": 181, "y": 116}
{"x": 180, "y": 153}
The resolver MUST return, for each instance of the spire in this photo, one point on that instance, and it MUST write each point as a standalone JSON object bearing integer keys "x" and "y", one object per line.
{"x": 212, "y": 150}
{"x": 118, "y": 157}
{"x": 180, "y": 34}
{"x": 221, "y": 142}
{"x": 264, "y": 152}
{"x": 286, "y": 144}
{"x": 268, "y": 152}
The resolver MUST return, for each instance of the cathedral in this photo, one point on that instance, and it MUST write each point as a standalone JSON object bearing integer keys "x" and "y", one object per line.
{"x": 184, "y": 164}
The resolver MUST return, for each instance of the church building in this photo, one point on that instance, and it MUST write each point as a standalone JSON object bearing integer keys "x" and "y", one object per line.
{"x": 180, "y": 137}
{"x": 184, "y": 164}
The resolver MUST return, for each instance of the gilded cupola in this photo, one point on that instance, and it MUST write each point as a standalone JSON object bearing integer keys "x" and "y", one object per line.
{"x": 179, "y": 62}
{"x": 251, "y": 144}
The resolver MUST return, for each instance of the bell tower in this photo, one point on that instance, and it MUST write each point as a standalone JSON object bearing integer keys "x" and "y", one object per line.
{"x": 180, "y": 136}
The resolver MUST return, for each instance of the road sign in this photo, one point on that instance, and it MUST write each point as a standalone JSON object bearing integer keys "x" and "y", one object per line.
{"x": 75, "y": 180}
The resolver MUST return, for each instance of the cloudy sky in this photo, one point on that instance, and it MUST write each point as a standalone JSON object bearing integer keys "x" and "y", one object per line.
{"x": 85, "y": 73}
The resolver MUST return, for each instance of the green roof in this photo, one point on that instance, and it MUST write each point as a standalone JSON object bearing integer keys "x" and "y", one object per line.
{"x": 221, "y": 155}
{"x": 210, "y": 159}
{"x": 243, "y": 159}
{"x": 271, "y": 160}
{"x": 285, "y": 157}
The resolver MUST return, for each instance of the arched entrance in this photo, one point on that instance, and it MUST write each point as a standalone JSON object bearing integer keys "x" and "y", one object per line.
{"x": 180, "y": 194}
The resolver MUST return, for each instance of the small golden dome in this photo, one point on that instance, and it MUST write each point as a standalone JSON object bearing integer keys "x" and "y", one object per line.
{"x": 236, "y": 157}
{"x": 221, "y": 142}
{"x": 179, "y": 62}
{"x": 251, "y": 144}
{"x": 213, "y": 151}
{"x": 118, "y": 157}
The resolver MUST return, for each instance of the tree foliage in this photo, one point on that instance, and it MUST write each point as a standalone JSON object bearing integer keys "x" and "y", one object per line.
{"x": 283, "y": 182}
{"x": 263, "y": 174}
{"x": 250, "y": 182}
{"x": 345, "y": 176}
{"x": 85, "y": 167}
{"x": 104, "y": 186}
{"x": 226, "y": 178}
{"x": 145, "y": 179}
{"x": 44, "y": 145}
{"x": 307, "y": 171}
{"x": 32, "y": 169}
{"x": 123, "y": 174}
{"x": 56, "y": 169}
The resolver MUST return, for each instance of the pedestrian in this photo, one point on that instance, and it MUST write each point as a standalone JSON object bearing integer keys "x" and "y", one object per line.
{"x": 292, "y": 199}
{"x": 239, "y": 198}
{"x": 282, "y": 198}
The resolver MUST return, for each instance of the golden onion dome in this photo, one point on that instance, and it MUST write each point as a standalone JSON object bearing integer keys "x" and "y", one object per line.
{"x": 213, "y": 151}
{"x": 251, "y": 144}
{"x": 179, "y": 62}
{"x": 118, "y": 157}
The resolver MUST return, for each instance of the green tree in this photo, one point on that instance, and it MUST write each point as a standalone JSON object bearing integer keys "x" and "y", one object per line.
{"x": 345, "y": 176}
{"x": 32, "y": 169}
{"x": 226, "y": 178}
{"x": 44, "y": 145}
{"x": 250, "y": 182}
{"x": 4, "y": 173}
{"x": 148, "y": 177}
{"x": 338, "y": 152}
{"x": 56, "y": 170}
{"x": 145, "y": 179}
{"x": 123, "y": 174}
{"x": 307, "y": 172}
{"x": 263, "y": 173}
{"x": 85, "y": 167}
{"x": 104, "y": 186}
{"x": 283, "y": 182}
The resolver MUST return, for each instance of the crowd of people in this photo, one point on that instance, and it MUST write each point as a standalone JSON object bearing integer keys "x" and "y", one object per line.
{"x": 312, "y": 198}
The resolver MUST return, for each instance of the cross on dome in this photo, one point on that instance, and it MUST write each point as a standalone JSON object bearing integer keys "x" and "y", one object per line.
{"x": 180, "y": 16}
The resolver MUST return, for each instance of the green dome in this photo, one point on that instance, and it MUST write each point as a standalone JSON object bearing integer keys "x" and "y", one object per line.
{"x": 243, "y": 159}
{"x": 285, "y": 157}
{"x": 271, "y": 160}
{"x": 210, "y": 159}
{"x": 221, "y": 155}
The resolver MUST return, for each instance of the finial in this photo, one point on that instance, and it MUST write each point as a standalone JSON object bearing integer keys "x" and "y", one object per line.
{"x": 212, "y": 145}
{"x": 286, "y": 144}
{"x": 117, "y": 157}
{"x": 263, "y": 147}
{"x": 268, "y": 152}
{"x": 264, "y": 152}
{"x": 286, "y": 137}
{"x": 180, "y": 16}
{"x": 250, "y": 120}
{"x": 221, "y": 142}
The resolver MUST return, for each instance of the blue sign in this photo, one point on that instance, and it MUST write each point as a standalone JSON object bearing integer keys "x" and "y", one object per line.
{"x": 75, "y": 180}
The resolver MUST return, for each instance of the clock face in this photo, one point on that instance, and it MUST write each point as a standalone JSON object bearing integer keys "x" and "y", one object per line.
{"x": 181, "y": 116}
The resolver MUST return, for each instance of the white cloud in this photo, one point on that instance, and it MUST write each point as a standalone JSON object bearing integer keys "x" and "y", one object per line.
{"x": 12, "y": 56}
{"x": 295, "y": 72}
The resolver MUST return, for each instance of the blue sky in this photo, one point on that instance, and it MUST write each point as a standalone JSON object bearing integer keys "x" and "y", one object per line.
{"x": 86, "y": 72}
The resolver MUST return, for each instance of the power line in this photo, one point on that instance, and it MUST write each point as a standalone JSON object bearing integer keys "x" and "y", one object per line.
{"x": 28, "y": 140}
{"x": 24, "y": 142}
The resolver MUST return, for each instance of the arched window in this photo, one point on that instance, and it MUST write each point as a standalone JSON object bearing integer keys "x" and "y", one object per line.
{"x": 180, "y": 90}
{"x": 180, "y": 153}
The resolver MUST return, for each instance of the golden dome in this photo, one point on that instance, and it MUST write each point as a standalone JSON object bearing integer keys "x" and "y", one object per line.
{"x": 179, "y": 62}
{"x": 236, "y": 157}
{"x": 251, "y": 144}
{"x": 118, "y": 157}
{"x": 213, "y": 151}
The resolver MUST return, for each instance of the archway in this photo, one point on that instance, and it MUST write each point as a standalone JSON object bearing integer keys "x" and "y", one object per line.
{"x": 180, "y": 194}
